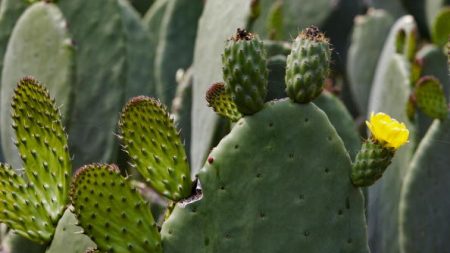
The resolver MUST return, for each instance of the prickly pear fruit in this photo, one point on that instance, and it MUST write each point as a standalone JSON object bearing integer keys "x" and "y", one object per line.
{"x": 307, "y": 65}
{"x": 220, "y": 100}
{"x": 245, "y": 71}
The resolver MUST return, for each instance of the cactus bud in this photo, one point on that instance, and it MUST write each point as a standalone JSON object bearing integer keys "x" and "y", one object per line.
{"x": 307, "y": 65}
{"x": 376, "y": 154}
{"x": 245, "y": 71}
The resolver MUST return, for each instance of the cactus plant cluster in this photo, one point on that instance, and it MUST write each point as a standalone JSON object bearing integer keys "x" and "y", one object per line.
{"x": 246, "y": 126}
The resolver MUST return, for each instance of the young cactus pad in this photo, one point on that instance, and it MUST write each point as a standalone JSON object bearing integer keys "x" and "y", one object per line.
{"x": 245, "y": 71}
{"x": 267, "y": 188}
{"x": 155, "y": 148}
{"x": 220, "y": 100}
{"x": 34, "y": 208}
{"x": 112, "y": 212}
{"x": 308, "y": 65}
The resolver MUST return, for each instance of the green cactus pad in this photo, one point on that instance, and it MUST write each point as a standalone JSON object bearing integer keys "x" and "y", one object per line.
{"x": 42, "y": 145}
{"x": 178, "y": 30}
{"x": 220, "y": 100}
{"x": 307, "y": 65}
{"x": 154, "y": 146}
{"x": 21, "y": 209}
{"x": 214, "y": 27}
{"x": 245, "y": 71}
{"x": 267, "y": 188}
{"x": 369, "y": 33}
{"x": 425, "y": 208}
{"x": 430, "y": 97}
{"x": 112, "y": 212}
{"x": 389, "y": 94}
{"x": 39, "y": 46}
{"x": 441, "y": 27}
{"x": 69, "y": 237}
{"x": 370, "y": 163}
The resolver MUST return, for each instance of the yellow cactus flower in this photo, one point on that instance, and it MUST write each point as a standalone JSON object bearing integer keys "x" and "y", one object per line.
{"x": 388, "y": 131}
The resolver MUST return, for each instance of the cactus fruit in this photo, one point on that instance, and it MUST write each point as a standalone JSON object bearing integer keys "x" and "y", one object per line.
{"x": 220, "y": 100}
{"x": 307, "y": 65}
{"x": 49, "y": 57}
{"x": 430, "y": 98}
{"x": 155, "y": 147}
{"x": 32, "y": 208}
{"x": 112, "y": 212}
{"x": 245, "y": 71}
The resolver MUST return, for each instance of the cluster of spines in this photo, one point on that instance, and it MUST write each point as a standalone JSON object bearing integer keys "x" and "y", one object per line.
{"x": 154, "y": 145}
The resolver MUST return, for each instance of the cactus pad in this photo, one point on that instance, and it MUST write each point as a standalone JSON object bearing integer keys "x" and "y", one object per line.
{"x": 245, "y": 71}
{"x": 307, "y": 65}
{"x": 264, "y": 191}
{"x": 42, "y": 145}
{"x": 220, "y": 100}
{"x": 424, "y": 208}
{"x": 155, "y": 148}
{"x": 430, "y": 98}
{"x": 33, "y": 208}
{"x": 112, "y": 212}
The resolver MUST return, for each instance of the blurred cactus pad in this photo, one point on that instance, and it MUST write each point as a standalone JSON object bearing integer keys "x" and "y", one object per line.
{"x": 212, "y": 126}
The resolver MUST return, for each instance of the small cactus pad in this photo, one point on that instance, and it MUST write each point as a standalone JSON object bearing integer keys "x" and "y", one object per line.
{"x": 154, "y": 146}
{"x": 42, "y": 144}
{"x": 112, "y": 212}
{"x": 69, "y": 237}
{"x": 266, "y": 188}
{"x": 307, "y": 65}
{"x": 245, "y": 71}
{"x": 430, "y": 97}
{"x": 220, "y": 100}
{"x": 20, "y": 209}
{"x": 370, "y": 163}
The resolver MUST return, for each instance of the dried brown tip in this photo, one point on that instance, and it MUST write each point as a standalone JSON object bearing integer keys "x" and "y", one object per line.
{"x": 242, "y": 34}
{"x": 313, "y": 33}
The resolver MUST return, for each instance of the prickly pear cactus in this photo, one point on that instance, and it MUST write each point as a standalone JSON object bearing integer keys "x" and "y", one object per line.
{"x": 39, "y": 46}
{"x": 422, "y": 211}
{"x": 214, "y": 28}
{"x": 369, "y": 33}
{"x": 33, "y": 206}
{"x": 276, "y": 158}
{"x": 245, "y": 71}
{"x": 112, "y": 212}
{"x": 307, "y": 65}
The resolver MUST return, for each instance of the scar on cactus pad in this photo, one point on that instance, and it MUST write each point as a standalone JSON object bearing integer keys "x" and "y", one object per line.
{"x": 387, "y": 136}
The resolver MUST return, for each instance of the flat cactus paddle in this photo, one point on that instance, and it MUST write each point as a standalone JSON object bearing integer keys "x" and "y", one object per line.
{"x": 155, "y": 148}
{"x": 112, "y": 212}
{"x": 33, "y": 208}
{"x": 220, "y": 100}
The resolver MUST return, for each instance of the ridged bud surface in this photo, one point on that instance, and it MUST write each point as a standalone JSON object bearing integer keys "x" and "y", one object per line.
{"x": 245, "y": 71}
{"x": 307, "y": 65}
{"x": 370, "y": 163}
